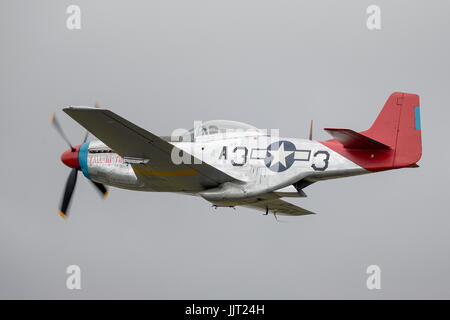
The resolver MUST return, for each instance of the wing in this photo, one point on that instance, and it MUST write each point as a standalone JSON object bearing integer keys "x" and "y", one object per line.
{"x": 279, "y": 207}
{"x": 131, "y": 141}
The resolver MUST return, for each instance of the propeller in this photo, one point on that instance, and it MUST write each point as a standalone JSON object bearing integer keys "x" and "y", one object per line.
{"x": 68, "y": 191}
{"x": 101, "y": 188}
{"x": 70, "y": 159}
{"x": 58, "y": 128}
{"x": 310, "y": 130}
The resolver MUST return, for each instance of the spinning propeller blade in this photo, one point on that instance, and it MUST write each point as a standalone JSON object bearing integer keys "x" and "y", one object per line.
{"x": 68, "y": 191}
{"x": 101, "y": 187}
{"x": 58, "y": 128}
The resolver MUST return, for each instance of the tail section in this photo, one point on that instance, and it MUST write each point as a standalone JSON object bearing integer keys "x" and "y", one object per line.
{"x": 393, "y": 141}
{"x": 398, "y": 126}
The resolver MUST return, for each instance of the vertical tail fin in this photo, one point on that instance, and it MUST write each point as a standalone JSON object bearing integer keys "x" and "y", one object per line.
{"x": 393, "y": 141}
{"x": 398, "y": 126}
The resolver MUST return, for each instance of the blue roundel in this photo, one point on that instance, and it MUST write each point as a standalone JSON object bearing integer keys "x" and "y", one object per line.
{"x": 280, "y": 156}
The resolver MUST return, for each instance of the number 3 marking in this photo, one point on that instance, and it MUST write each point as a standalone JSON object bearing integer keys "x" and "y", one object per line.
{"x": 325, "y": 161}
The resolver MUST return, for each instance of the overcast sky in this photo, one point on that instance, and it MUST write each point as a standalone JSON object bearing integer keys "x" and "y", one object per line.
{"x": 273, "y": 64}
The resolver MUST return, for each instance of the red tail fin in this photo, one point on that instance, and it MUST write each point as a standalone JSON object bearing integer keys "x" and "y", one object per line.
{"x": 397, "y": 127}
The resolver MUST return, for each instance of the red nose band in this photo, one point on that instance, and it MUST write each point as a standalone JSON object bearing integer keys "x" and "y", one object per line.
{"x": 70, "y": 157}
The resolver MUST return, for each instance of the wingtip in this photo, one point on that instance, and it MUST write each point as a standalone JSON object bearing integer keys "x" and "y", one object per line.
{"x": 62, "y": 215}
{"x": 65, "y": 109}
{"x": 106, "y": 194}
{"x": 52, "y": 116}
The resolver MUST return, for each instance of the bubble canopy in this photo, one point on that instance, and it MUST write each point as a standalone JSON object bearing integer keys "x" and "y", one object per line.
{"x": 221, "y": 127}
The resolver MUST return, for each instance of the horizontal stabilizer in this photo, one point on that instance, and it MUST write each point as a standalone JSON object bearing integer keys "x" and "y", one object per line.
{"x": 354, "y": 140}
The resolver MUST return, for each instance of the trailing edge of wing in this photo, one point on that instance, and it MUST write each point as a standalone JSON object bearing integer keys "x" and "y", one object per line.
{"x": 354, "y": 140}
{"x": 279, "y": 207}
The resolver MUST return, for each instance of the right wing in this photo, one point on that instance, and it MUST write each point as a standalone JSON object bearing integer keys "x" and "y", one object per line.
{"x": 131, "y": 141}
{"x": 279, "y": 207}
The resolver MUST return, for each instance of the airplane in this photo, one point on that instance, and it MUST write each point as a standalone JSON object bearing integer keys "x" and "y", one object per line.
{"x": 230, "y": 163}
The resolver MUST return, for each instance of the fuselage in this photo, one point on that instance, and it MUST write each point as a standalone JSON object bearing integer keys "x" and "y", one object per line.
{"x": 263, "y": 163}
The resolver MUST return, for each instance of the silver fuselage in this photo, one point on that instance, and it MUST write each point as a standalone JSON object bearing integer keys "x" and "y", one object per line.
{"x": 244, "y": 156}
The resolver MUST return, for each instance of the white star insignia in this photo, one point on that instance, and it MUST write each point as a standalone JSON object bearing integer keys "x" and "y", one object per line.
{"x": 280, "y": 155}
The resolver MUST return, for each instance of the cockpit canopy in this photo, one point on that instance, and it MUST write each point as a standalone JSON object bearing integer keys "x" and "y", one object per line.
{"x": 220, "y": 129}
{"x": 223, "y": 126}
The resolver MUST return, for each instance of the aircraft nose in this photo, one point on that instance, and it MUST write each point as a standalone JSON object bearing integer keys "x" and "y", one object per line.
{"x": 70, "y": 157}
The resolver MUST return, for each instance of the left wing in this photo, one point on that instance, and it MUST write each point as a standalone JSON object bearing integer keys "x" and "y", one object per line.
{"x": 279, "y": 207}
{"x": 131, "y": 141}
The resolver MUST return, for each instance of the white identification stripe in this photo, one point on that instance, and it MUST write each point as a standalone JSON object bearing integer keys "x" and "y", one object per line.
{"x": 302, "y": 155}
{"x": 258, "y": 153}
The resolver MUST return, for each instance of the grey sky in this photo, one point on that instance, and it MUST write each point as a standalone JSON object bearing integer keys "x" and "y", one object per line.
{"x": 273, "y": 64}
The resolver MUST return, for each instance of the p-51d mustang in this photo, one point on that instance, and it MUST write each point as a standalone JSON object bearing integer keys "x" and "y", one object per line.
{"x": 234, "y": 164}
